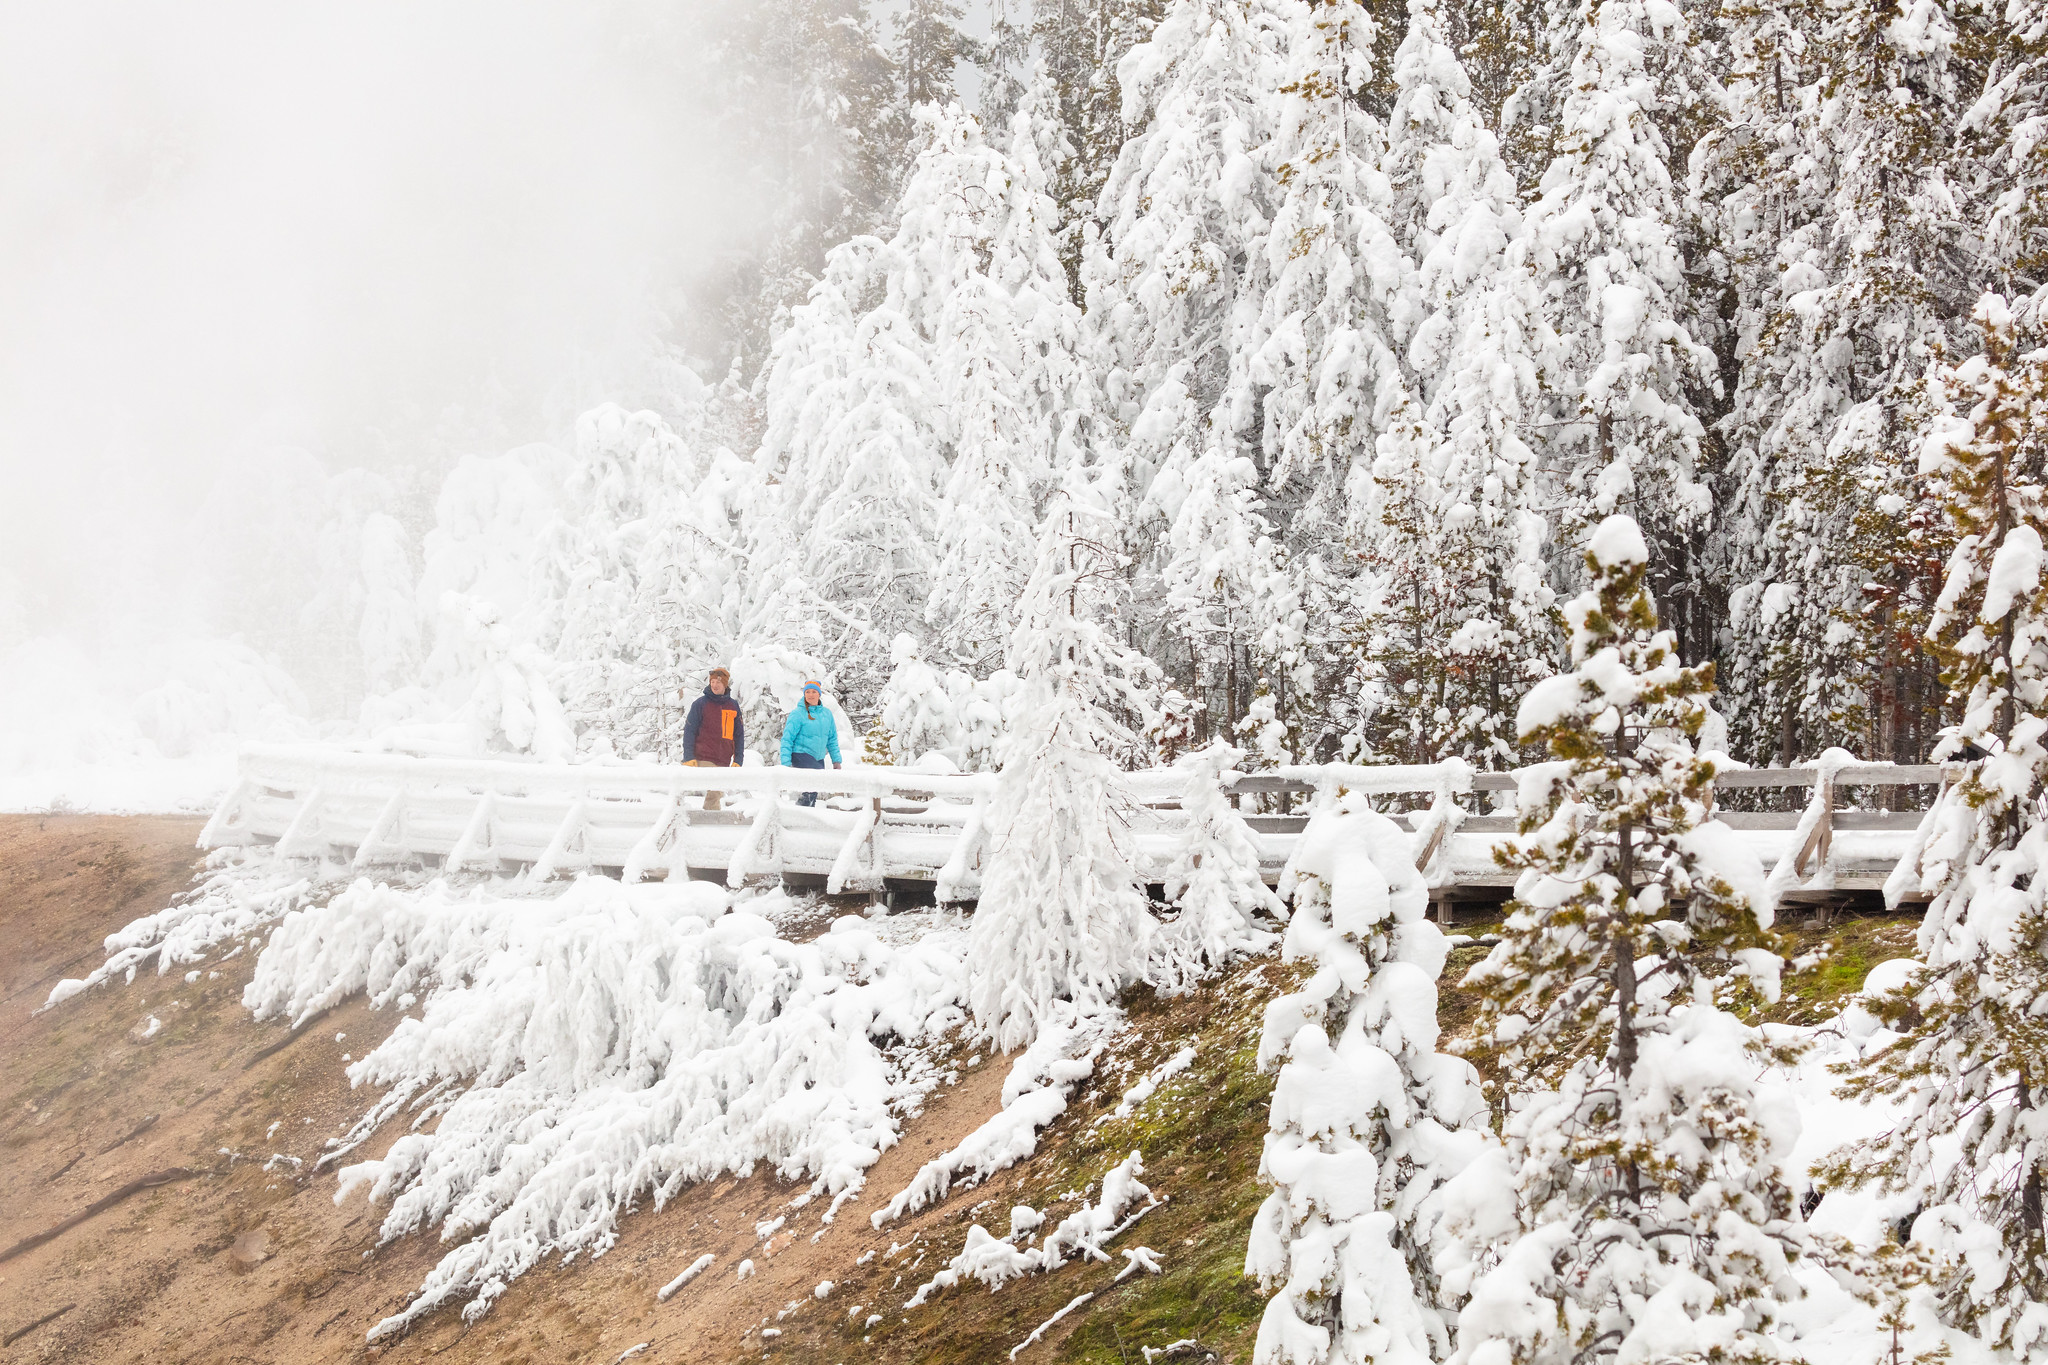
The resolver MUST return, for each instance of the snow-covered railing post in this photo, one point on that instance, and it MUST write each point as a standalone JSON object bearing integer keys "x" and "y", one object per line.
{"x": 229, "y": 823}
{"x": 762, "y": 833}
{"x": 1822, "y": 838}
{"x": 965, "y": 854}
{"x": 648, "y": 853}
{"x": 1439, "y": 822}
{"x": 475, "y": 843}
{"x": 569, "y": 850}
{"x": 846, "y": 867}
{"x": 386, "y": 837}
{"x": 302, "y": 838}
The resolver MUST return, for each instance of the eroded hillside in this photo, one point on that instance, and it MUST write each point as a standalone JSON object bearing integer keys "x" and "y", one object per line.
{"x": 188, "y": 1137}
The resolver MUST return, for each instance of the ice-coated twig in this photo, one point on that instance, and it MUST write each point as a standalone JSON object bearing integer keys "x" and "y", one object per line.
{"x": 1039, "y": 1330}
{"x": 1136, "y": 1259}
{"x": 696, "y": 1268}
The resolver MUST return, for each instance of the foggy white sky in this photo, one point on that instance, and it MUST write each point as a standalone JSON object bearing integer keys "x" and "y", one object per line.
{"x": 386, "y": 233}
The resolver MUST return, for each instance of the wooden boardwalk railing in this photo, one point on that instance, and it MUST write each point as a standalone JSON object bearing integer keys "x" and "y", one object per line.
{"x": 880, "y": 826}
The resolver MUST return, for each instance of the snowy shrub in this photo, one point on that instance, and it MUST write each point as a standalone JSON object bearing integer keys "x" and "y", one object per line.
{"x": 996, "y": 1261}
{"x": 1369, "y": 1119}
{"x": 1034, "y": 1094}
{"x": 576, "y": 1054}
{"x": 242, "y": 891}
{"x": 1216, "y": 883}
{"x": 919, "y": 708}
{"x": 986, "y": 708}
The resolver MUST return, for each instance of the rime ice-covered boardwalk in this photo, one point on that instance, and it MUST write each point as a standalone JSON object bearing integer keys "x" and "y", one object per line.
{"x": 877, "y": 826}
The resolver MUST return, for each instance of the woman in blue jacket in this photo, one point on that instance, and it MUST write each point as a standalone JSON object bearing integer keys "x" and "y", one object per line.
{"x": 809, "y": 737}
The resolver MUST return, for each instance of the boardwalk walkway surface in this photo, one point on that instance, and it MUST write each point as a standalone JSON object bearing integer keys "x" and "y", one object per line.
{"x": 879, "y": 828}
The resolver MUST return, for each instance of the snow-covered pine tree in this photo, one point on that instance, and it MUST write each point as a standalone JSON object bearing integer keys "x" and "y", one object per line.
{"x": 712, "y": 585}
{"x": 1003, "y": 332}
{"x": 811, "y": 112}
{"x": 1328, "y": 297}
{"x": 855, "y": 439}
{"x": 2008, "y": 153}
{"x": 687, "y": 578}
{"x": 1656, "y": 1221}
{"x": 1217, "y": 885}
{"x": 939, "y": 360}
{"x": 1519, "y": 63}
{"x": 1604, "y": 242}
{"x": 1757, "y": 172}
{"x": 506, "y": 701}
{"x": 1062, "y": 915}
{"x": 867, "y": 502}
{"x": 1454, "y": 598}
{"x": 1841, "y": 208}
{"x": 1172, "y": 731}
{"x": 631, "y": 467}
{"x": 1224, "y": 577}
{"x": 1368, "y": 1119}
{"x": 1006, "y": 69}
{"x": 917, "y": 709}
{"x": 929, "y": 46}
{"x": 986, "y": 708}
{"x": 1187, "y": 207}
{"x": 1076, "y": 46}
{"x": 1335, "y": 293}
{"x": 1971, "y": 1061}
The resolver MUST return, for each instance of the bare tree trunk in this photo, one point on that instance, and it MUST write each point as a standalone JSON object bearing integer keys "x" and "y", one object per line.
{"x": 1231, "y": 713}
{"x": 2032, "y": 1220}
{"x": 1625, "y": 998}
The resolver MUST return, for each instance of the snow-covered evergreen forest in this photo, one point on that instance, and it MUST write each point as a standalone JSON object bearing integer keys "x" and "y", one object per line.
{"x": 1353, "y": 319}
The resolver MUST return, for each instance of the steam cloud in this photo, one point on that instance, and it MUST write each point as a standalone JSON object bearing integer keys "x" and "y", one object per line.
{"x": 236, "y": 236}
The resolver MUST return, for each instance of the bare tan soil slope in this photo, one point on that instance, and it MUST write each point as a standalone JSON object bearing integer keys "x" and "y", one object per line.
{"x": 235, "y": 1253}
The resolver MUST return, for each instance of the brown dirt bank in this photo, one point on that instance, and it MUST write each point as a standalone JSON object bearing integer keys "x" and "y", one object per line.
{"x": 238, "y": 1254}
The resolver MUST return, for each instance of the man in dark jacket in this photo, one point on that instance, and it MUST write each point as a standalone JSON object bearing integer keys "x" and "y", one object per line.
{"x": 715, "y": 734}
